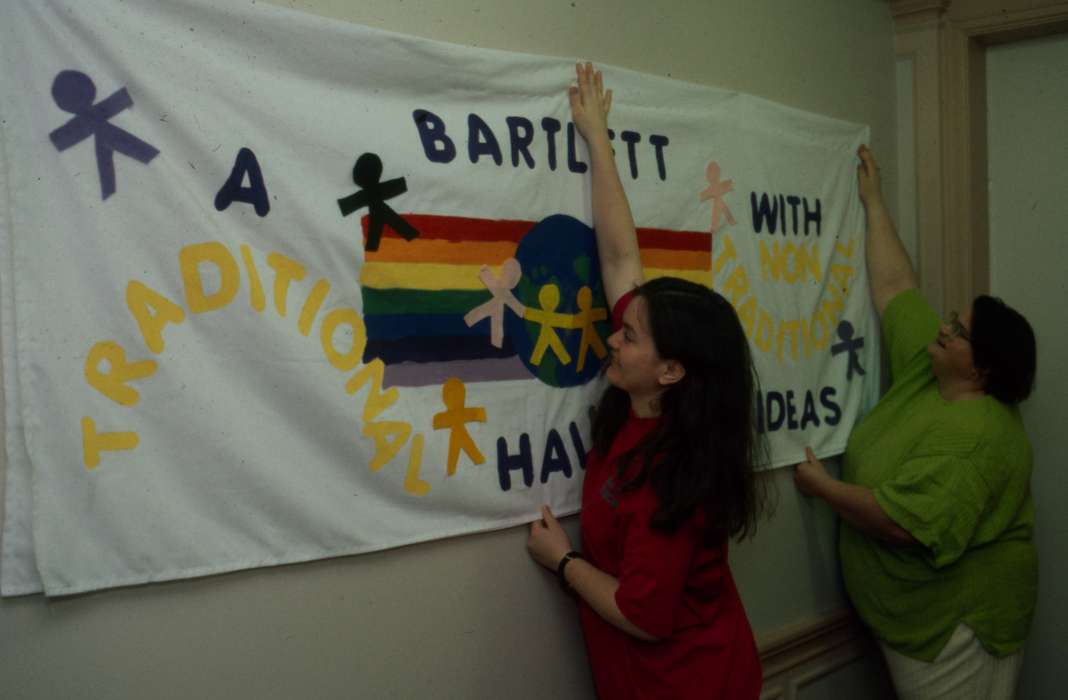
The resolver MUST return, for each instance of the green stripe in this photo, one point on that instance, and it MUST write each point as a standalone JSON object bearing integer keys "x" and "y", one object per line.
{"x": 402, "y": 301}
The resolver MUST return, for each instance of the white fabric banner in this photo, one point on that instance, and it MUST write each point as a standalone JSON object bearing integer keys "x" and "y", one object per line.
{"x": 278, "y": 288}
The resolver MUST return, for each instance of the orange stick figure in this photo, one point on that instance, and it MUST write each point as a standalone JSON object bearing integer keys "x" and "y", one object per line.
{"x": 455, "y": 417}
{"x": 585, "y": 319}
{"x": 501, "y": 289}
{"x": 549, "y": 298}
{"x": 715, "y": 191}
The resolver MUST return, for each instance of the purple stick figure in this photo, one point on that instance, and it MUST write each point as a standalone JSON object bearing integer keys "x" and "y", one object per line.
{"x": 74, "y": 92}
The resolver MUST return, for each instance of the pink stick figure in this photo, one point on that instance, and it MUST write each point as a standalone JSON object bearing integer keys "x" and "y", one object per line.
{"x": 501, "y": 289}
{"x": 715, "y": 191}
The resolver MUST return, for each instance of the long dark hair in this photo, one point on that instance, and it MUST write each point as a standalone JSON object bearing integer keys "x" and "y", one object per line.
{"x": 703, "y": 452}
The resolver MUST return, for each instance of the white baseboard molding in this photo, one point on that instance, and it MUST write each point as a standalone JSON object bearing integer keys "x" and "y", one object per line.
{"x": 800, "y": 654}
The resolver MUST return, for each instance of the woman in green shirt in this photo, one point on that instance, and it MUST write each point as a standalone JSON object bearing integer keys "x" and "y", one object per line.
{"x": 935, "y": 542}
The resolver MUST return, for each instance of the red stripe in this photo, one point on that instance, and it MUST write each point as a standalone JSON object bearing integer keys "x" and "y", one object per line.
{"x": 460, "y": 228}
{"x": 674, "y": 240}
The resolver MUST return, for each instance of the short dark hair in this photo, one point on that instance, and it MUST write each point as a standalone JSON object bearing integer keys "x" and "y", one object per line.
{"x": 1003, "y": 349}
{"x": 707, "y": 442}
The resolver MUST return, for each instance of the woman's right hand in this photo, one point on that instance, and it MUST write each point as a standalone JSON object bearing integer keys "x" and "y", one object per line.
{"x": 590, "y": 102}
{"x": 868, "y": 180}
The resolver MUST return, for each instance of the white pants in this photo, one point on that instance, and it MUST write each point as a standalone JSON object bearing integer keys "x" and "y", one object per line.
{"x": 964, "y": 670}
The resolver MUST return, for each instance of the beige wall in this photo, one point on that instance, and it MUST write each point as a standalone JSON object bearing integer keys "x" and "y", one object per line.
{"x": 1027, "y": 97}
{"x": 472, "y": 617}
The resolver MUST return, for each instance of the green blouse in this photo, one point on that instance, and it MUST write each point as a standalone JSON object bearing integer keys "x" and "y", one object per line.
{"x": 956, "y": 475}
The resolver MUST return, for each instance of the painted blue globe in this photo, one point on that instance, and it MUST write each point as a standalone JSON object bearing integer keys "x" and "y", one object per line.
{"x": 561, "y": 281}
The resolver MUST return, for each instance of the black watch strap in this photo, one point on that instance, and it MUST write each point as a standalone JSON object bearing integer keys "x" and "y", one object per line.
{"x": 564, "y": 561}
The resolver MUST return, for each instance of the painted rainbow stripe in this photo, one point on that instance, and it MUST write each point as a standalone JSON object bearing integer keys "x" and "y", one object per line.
{"x": 416, "y": 293}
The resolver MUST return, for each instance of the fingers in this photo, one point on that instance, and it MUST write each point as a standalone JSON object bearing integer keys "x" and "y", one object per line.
{"x": 809, "y": 454}
{"x": 589, "y": 83}
{"x": 547, "y": 516}
{"x": 607, "y": 102}
{"x": 585, "y": 75}
{"x": 867, "y": 159}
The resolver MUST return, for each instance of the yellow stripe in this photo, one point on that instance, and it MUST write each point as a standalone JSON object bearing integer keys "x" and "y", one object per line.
{"x": 703, "y": 277}
{"x": 427, "y": 276}
{"x": 431, "y": 276}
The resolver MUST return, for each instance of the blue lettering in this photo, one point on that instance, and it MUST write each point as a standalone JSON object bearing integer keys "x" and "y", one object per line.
{"x": 770, "y": 211}
{"x": 659, "y": 143}
{"x": 775, "y": 401}
{"x": 573, "y": 163}
{"x": 813, "y": 216}
{"x": 808, "y": 415}
{"x": 631, "y": 138}
{"x": 508, "y": 462}
{"x": 555, "y": 459}
{"x": 791, "y": 411}
{"x": 521, "y": 140}
{"x": 777, "y": 409}
{"x": 576, "y": 441}
{"x": 232, "y": 190}
{"x": 438, "y": 147}
{"x": 765, "y": 213}
{"x": 481, "y": 141}
{"x": 827, "y": 399}
{"x": 551, "y": 126}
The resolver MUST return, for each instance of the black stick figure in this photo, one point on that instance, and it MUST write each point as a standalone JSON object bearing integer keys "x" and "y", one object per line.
{"x": 848, "y": 344}
{"x": 74, "y": 92}
{"x": 373, "y": 195}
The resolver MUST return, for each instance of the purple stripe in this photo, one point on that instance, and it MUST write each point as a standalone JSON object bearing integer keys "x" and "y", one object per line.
{"x": 434, "y": 373}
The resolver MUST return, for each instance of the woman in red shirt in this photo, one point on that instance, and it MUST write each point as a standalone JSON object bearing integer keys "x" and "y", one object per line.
{"x": 671, "y": 474}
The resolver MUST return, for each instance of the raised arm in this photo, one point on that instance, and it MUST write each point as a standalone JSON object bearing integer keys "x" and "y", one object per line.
{"x": 889, "y": 269}
{"x": 617, "y": 240}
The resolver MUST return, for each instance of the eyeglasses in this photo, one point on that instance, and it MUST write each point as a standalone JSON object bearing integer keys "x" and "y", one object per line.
{"x": 956, "y": 328}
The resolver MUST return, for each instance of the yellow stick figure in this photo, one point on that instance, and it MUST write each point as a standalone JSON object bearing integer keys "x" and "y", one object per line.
{"x": 585, "y": 319}
{"x": 454, "y": 417}
{"x": 549, "y": 298}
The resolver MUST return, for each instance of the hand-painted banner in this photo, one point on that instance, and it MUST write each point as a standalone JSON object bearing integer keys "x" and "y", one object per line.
{"x": 278, "y": 288}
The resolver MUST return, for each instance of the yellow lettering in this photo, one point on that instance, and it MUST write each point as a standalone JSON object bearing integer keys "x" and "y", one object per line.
{"x": 831, "y": 307}
{"x": 348, "y": 360}
{"x": 790, "y": 262}
{"x": 819, "y": 342}
{"x": 747, "y": 315}
{"x": 808, "y": 260}
{"x": 726, "y": 255}
{"x": 377, "y": 400}
{"x": 788, "y": 330}
{"x": 412, "y": 483}
{"x": 763, "y": 331}
{"x": 771, "y": 261}
{"x": 255, "y": 292}
{"x": 189, "y": 261}
{"x": 389, "y": 437}
{"x": 737, "y": 285}
{"x": 312, "y": 306}
{"x": 93, "y": 443}
{"x": 153, "y": 312}
{"x": 112, "y": 383}
{"x": 845, "y": 251}
{"x": 841, "y": 275}
{"x": 286, "y": 270}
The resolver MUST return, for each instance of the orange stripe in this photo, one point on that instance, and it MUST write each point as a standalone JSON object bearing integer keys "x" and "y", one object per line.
{"x": 679, "y": 259}
{"x": 438, "y": 251}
